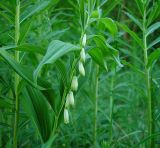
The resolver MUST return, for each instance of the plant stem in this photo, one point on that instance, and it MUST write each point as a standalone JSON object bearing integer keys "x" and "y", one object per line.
{"x": 96, "y": 105}
{"x": 111, "y": 112}
{"x": 17, "y": 32}
{"x": 58, "y": 115}
{"x": 148, "y": 83}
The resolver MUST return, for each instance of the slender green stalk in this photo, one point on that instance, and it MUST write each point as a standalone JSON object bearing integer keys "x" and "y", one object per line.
{"x": 148, "y": 83}
{"x": 58, "y": 115}
{"x": 111, "y": 111}
{"x": 17, "y": 32}
{"x": 96, "y": 106}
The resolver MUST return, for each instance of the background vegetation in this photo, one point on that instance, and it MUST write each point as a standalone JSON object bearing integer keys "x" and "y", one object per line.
{"x": 42, "y": 45}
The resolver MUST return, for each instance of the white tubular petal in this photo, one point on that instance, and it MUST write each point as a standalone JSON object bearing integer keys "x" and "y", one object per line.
{"x": 67, "y": 101}
{"x": 84, "y": 40}
{"x": 81, "y": 69}
{"x": 71, "y": 98}
{"x": 74, "y": 84}
{"x": 66, "y": 116}
{"x": 83, "y": 55}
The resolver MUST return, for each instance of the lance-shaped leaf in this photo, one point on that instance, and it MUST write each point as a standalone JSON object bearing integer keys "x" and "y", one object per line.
{"x": 140, "y": 6}
{"x": 106, "y": 49}
{"x": 23, "y": 71}
{"x": 110, "y": 5}
{"x": 131, "y": 33}
{"x": 152, "y": 28}
{"x": 98, "y": 57}
{"x": 110, "y": 25}
{"x": 55, "y": 50}
{"x": 153, "y": 57}
{"x": 34, "y": 9}
{"x": 38, "y": 110}
{"x": 5, "y": 103}
{"x": 134, "y": 19}
{"x": 30, "y": 48}
{"x": 153, "y": 13}
{"x": 156, "y": 41}
{"x": 7, "y": 47}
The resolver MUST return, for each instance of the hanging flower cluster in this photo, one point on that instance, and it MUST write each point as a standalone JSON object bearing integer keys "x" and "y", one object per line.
{"x": 74, "y": 84}
{"x": 82, "y": 56}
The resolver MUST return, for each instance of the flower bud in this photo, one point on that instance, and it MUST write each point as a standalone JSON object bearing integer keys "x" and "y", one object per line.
{"x": 84, "y": 39}
{"x": 83, "y": 55}
{"x": 74, "y": 84}
{"x": 66, "y": 116}
{"x": 81, "y": 69}
{"x": 69, "y": 99}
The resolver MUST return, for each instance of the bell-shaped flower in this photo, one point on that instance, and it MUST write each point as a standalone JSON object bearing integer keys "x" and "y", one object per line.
{"x": 84, "y": 40}
{"x": 74, "y": 84}
{"x": 81, "y": 69}
{"x": 83, "y": 55}
{"x": 69, "y": 99}
{"x": 66, "y": 116}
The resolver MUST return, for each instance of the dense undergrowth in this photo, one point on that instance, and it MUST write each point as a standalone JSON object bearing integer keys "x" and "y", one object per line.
{"x": 79, "y": 73}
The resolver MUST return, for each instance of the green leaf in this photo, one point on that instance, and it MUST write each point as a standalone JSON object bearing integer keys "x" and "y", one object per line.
{"x": 62, "y": 70}
{"x": 135, "y": 20}
{"x": 24, "y": 30}
{"x": 83, "y": 13}
{"x": 23, "y": 71}
{"x": 153, "y": 57}
{"x": 146, "y": 139}
{"x": 5, "y": 103}
{"x": 8, "y": 8}
{"x": 110, "y": 25}
{"x": 152, "y": 28}
{"x": 49, "y": 143}
{"x": 132, "y": 34}
{"x": 110, "y": 4}
{"x": 154, "y": 13}
{"x": 7, "y": 47}
{"x": 37, "y": 109}
{"x": 30, "y": 48}
{"x": 156, "y": 41}
{"x": 91, "y": 5}
{"x": 134, "y": 68}
{"x": 55, "y": 51}
{"x": 7, "y": 17}
{"x": 140, "y": 6}
{"x": 106, "y": 49}
{"x": 98, "y": 57}
{"x": 34, "y": 9}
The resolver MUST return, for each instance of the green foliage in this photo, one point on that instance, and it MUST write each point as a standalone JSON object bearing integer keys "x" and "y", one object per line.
{"x": 44, "y": 44}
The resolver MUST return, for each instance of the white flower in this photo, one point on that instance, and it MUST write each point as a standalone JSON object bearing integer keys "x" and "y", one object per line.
{"x": 74, "y": 84}
{"x": 81, "y": 69}
{"x": 84, "y": 39}
{"x": 66, "y": 116}
{"x": 69, "y": 99}
{"x": 83, "y": 55}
